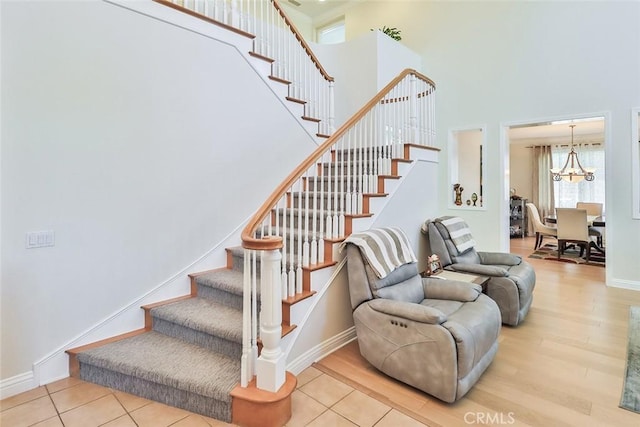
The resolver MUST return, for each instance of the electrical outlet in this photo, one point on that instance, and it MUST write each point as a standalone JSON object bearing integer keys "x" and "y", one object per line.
{"x": 40, "y": 239}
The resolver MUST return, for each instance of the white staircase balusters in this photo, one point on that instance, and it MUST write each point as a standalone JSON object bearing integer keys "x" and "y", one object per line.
{"x": 292, "y": 273}
{"x": 314, "y": 202}
{"x": 320, "y": 209}
{"x": 314, "y": 220}
{"x": 362, "y": 175}
{"x": 346, "y": 164}
{"x": 343, "y": 184}
{"x": 329, "y": 104}
{"x": 284, "y": 275}
{"x": 306, "y": 246}
{"x": 371, "y": 161}
{"x": 336, "y": 195}
{"x": 413, "y": 107}
{"x": 299, "y": 257}
{"x": 329, "y": 218}
{"x": 341, "y": 171}
{"x": 276, "y": 38}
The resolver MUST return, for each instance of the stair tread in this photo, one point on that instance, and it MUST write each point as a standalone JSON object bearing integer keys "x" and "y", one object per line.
{"x": 169, "y": 361}
{"x": 204, "y": 315}
{"x": 226, "y": 279}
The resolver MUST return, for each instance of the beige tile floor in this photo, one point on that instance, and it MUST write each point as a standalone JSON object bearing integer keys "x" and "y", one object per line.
{"x": 319, "y": 401}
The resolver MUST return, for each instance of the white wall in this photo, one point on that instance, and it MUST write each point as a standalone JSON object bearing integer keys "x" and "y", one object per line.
{"x": 301, "y": 21}
{"x": 141, "y": 144}
{"x": 407, "y": 207}
{"x": 361, "y": 67}
{"x": 521, "y": 62}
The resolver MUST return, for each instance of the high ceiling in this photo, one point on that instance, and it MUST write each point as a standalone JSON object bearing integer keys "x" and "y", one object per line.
{"x": 313, "y": 8}
{"x": 557, "y": 129}
{"x": 517, "y": 134}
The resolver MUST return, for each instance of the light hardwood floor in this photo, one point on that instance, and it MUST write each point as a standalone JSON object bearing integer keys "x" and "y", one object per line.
{"x": 563, "y": 366}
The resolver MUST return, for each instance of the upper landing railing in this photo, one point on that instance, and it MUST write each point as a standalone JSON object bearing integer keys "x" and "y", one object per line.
{"x": 276, "y": 40}
{"x": 314, "y": 206}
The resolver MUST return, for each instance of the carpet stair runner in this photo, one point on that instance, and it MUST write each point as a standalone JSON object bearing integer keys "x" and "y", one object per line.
{"x": 190, "y": 358}
{"x": 188, "y": 355}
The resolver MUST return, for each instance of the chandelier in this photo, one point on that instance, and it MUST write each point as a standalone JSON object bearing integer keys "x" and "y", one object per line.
{"x": 572, "y": 171}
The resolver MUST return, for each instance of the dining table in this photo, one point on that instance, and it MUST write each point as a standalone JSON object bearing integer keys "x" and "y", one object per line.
{"x": 592, "y": 220}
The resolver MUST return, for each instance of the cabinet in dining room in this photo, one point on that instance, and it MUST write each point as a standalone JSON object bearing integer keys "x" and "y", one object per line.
{"x": 518, "y": 218}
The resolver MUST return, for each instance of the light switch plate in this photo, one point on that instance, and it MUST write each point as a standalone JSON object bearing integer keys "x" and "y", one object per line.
{"x": 40, "y": 239}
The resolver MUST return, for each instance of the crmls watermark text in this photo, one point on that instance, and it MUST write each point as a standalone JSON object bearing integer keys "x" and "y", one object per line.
{"x": 490, "y": 418}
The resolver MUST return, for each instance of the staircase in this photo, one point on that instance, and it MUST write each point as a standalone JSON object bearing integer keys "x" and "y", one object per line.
{"x": 208, "y": 352}
{"x": 187, "y": 355}
{"x": 191, "y": 351}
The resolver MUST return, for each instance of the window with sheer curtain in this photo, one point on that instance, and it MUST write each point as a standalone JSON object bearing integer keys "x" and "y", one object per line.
{"x": 567, "y": 194}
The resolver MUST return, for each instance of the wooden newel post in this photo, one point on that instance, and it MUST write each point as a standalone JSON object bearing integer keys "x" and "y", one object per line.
{"x": 270, "y": 367}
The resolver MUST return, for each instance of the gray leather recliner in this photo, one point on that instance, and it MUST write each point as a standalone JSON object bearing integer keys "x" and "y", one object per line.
{"x": 512, "y": 279}
{"x": 436, "y": 335}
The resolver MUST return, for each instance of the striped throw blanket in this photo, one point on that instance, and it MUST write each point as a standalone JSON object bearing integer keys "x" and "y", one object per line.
{"x": 384, "y": 249}
{"x": 459, "y": 231}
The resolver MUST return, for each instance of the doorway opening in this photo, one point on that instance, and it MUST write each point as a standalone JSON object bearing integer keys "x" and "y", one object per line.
{"x": 535, "y": 148}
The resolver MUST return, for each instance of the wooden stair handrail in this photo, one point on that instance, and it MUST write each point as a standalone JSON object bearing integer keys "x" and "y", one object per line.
{"x": 282, "y": 14}
{"x": 275, "y": 242}
{"x": 304, "y": 44}
{"x": 190, "y": 12}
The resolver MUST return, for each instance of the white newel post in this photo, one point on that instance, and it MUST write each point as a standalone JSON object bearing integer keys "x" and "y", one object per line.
{"x": 270, "y": 367}
{"x": 413, "y": 109}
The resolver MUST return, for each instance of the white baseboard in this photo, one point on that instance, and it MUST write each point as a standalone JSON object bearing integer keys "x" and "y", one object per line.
{"x": 16, "y": 385}
{"x": 55, "y": 365}
{"x": 323, "y": 349}
{"x": 624, "y": 284}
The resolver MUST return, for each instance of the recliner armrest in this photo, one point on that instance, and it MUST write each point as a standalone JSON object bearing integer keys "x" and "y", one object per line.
{"x": 499, "y": 258}
{"x": 480, "y": 269}
{"x": 409, "y": 311}
{"x": 453, "y": 290}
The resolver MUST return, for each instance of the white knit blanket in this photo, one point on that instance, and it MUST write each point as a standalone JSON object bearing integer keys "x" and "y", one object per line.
{"x": 384, "y": 249}
{"x": 459, "y": 231}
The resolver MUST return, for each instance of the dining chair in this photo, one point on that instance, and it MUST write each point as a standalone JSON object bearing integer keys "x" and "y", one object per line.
{"x": 539, "y": 227}
{"x": 593, "y": 209}
{"x": 573, "y": 227}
